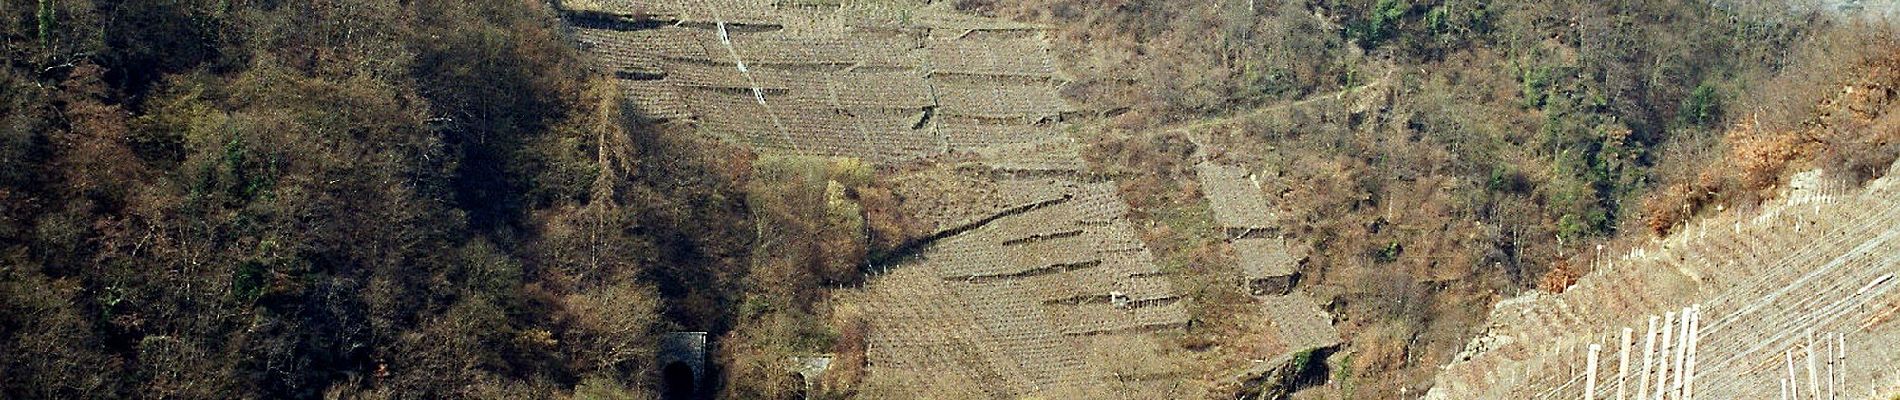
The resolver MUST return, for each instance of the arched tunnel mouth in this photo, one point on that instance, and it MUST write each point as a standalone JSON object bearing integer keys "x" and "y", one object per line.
{"x": 799, "y": 390}
{"x": 678, "y": 382}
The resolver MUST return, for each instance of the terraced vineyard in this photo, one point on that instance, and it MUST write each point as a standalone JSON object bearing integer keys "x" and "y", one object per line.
{"x": 1015, "y": 300}
{"x": 1799, "y": 296}
{"x": 1297, "y": 325}
{"x": 1031, "y": 268}
{"x": 883, "y": 82}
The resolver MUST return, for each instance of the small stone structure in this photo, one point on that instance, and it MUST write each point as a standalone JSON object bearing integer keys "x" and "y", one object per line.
{"x": 687, "y": 351}
{"x": 811, "y": 370}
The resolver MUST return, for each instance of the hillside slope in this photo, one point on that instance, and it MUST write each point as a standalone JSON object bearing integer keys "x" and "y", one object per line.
{"x": 1029, "y": 280}
{"x": 1820, "y": 262}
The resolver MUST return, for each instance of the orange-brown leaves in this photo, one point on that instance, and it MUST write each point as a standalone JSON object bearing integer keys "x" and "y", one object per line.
{"x": 1559, "y": 278}
{"x": 1850, "y": 131}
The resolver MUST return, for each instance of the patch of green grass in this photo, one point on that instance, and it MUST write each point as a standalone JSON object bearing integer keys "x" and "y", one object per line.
{"x": 1342, "y": 374}
{"x": 1302, "y": 358}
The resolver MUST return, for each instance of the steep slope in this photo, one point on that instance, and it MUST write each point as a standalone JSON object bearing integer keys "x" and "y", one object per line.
{"x": 1016, "y": 304}
{"x": 1810, "y": 275}
{"x": 1031, "y": 268}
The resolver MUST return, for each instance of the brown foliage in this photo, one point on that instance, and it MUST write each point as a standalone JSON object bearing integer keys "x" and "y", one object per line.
{"x": 276, "y": 203}
{"x": 889, "y": 227}
{"x": 850, "y": 351}
{"x": 51, "y": 351}
{"x": 1762, "y": 157}
{"x": 757, "y": 355}
{"x": 94, "y": 154}
{"x": 1829, "y": 112}
{"x": 1166, "y": 60}
{"x": 1559, "y": 277}
{"x": 613, "y": 329}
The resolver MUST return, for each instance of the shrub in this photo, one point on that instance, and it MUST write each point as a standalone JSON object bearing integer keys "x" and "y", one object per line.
{"x": 1536, "y": 85}
{"x": 613, "y": 330}
{"x": 1559, "y": 278}
{"x": 1389, "y": 253}
{"x": 313, "y": 170}
{"x": 1702, "y": 107}
{"x": 1381, "y": 23}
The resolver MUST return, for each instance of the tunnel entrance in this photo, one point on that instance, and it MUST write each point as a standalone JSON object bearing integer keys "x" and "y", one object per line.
{"x": 678, "y": 382}
{"x": 683, "y": 372}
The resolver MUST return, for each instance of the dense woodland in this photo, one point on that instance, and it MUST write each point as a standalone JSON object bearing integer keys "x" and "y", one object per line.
{"x": 423, "y": 199}
{"x": 378, "y": 199}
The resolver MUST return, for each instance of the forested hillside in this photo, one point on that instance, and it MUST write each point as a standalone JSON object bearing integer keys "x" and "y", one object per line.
{"x": 378, "y": 199}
